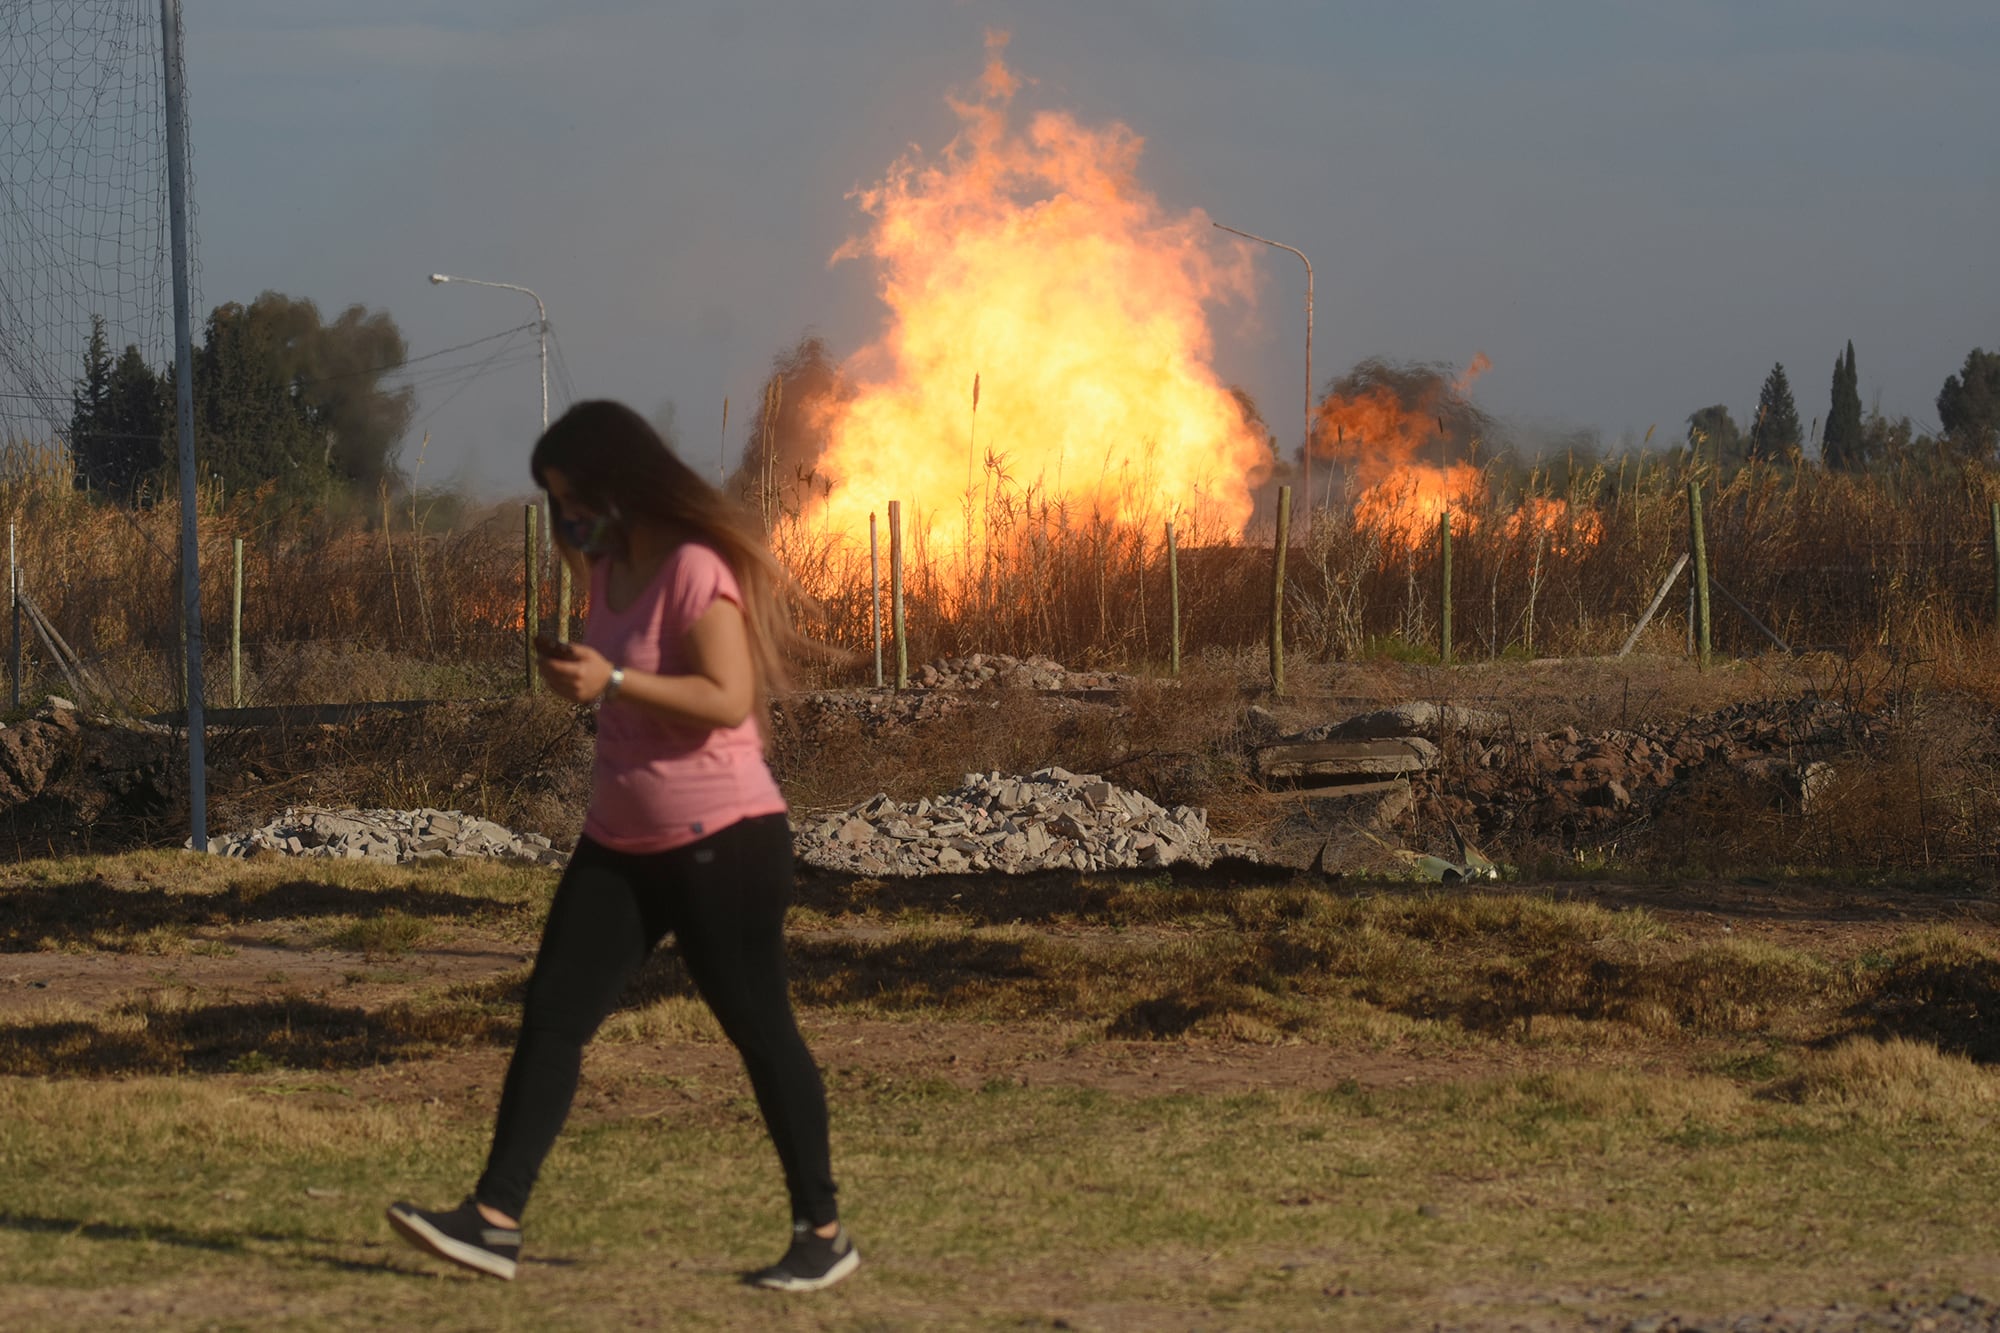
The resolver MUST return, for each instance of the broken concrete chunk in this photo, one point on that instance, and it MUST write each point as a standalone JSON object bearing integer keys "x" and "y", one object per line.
{"x": 1050, "y": 819}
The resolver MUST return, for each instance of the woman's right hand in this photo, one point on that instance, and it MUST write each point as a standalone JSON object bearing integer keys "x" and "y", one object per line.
{"x": 580, "y": 677}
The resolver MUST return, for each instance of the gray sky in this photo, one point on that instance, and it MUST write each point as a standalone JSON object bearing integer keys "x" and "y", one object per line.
{"x": 1633, "y": 209}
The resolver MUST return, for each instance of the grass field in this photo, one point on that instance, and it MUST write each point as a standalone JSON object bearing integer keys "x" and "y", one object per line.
{"x": 1101, "y": 1103}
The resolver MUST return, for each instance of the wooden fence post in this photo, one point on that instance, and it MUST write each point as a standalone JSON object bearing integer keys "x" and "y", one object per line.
{"x": 1173, "y": 600}
{"x": 14, "y": 597}
{"x": 896, "y": 594}
{"x": 562, "y": 597}
{"x": 531, "y": 610}
{"x": 1653, "y": 606}
{"x": 1700, "y": 544}
{"x": 875, "y": 597}
{"x": 1444, "y": 580}
{"x": 1278, "y": 590}
{"x": 236, "y": 631}
{"x": 1996, "y": 565}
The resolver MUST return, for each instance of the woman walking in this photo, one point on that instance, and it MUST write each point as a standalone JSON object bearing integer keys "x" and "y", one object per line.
{"x": 686, "y": 833}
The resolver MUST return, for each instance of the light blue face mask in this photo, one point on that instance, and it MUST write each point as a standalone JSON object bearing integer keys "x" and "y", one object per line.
{"x": 592, "y": 537}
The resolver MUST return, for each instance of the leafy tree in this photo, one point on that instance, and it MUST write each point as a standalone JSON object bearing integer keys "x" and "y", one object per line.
{"x": 787, "y": 432}
{"x": 251, "y": 425}
{"x": 279, "y": 397}
{"x": 1884, "y": 439}
{"x": 1775, "y": 433}
{"x": 1969, "y": 405}
{"x": 334, "y": 372}
{"x": 1841, "y": 446}
{"x": 120, "y": 422}
{"x": 1713, "y": 434}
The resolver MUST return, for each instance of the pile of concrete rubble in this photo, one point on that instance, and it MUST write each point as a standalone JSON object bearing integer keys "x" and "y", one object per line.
{"x": 1051, "y": 819}
{"x": 999, "y": 671}
{"x": 385, "y": 835}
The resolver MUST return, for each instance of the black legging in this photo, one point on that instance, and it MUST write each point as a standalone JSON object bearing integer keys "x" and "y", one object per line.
{"x": 724, "y": 901}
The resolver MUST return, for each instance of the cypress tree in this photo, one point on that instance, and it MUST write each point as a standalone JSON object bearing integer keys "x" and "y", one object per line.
{"x": 87, "y": 410}
{"x": 1776, "y": 432}
{"x": 1842, "y": 445}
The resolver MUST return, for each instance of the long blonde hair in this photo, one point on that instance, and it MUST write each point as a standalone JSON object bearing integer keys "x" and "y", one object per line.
{"x": 614, "y": 460}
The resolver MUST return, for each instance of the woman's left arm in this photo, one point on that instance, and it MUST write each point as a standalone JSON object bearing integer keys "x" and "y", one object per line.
{"x": 718, "y": 692}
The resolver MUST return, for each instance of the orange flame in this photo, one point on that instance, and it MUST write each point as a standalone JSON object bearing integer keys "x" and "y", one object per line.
{"x": 1383, "y": 439}
{"x": 1384, "y": 436}
{"x": 1404, "y": 507}
{"x": 1033, "y": 263}
{"x": 1567, "y": 530}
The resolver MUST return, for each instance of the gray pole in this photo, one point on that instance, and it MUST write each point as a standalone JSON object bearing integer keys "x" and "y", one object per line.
{"x": 177, "y": 204}
{"x": 1307, "y": 458}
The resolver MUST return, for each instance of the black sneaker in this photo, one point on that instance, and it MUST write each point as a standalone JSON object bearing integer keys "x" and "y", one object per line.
{"x": 462, "y": 1236}
{"x": 812, "y": 1264}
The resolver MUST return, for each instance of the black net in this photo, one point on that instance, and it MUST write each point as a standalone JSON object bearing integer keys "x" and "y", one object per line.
{"x": 83, "y": 202}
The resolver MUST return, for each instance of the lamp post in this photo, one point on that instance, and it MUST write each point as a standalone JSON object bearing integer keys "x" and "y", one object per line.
{"x": 542, "y": 332}
{"x": 1307, "y": 487}
{"x": 541, "y": 327}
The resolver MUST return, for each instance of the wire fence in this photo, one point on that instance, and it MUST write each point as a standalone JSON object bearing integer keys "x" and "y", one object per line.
{"x": 333, "y": 610}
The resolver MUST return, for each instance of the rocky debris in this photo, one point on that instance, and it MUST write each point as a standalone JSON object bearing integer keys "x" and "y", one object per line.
{"x": 390, "y": 836}
{"x": 1564, "y": 782}
{"x": 82, "y": 769}
{"x": 1333, "y": 809}
{"x": 832, "y": 716}
{"x": 1333, "y": 829}
{"x": 1331, "y": 761}
{"x": 1960, "y": 1312}
{"x": 1428, "y": 720}
{"x": 1051, "y": 819}
{"x": 999, "y": 671}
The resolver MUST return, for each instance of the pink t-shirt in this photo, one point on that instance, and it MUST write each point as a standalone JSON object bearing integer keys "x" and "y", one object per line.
{"x": 658, "y": 785}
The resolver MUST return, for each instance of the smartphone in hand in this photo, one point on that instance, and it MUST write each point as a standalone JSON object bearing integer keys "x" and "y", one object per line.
{"x": 545, "y": 646}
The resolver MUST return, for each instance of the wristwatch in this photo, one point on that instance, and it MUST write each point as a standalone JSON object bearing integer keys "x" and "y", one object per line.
{"x": 611, "y": 686}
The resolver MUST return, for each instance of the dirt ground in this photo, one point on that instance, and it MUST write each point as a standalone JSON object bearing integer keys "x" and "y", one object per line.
{"x": 1835, "y": 923}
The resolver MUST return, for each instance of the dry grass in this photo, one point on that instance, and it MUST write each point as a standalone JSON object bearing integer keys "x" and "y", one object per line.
{"x": 339, "y": 609}
{"x": 1180, "y": 743}
{"x": 161, "y": 902}
{"x": 1124, "y": 956}
{"x": 1703, "y": 1119}
{"x": 334, "y": 610}
{"x": 1896, "y": 1081}
{"x": 189, "y": 1202}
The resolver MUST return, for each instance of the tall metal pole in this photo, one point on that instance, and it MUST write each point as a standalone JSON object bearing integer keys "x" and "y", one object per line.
{"x": 1306, "y": 499}
{"x": 177, "y": 205}
{"x": 542, "y": 335}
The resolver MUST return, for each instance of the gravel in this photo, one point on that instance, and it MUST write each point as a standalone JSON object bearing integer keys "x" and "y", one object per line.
{"x": 1051, "y": 819}
{"x": 388, "y": 836}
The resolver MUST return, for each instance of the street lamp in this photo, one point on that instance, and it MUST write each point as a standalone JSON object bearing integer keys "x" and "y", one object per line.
{"x": 1308, "y": 451}
{"x": 541, "y": 326}
{"x": 542, "y": 329}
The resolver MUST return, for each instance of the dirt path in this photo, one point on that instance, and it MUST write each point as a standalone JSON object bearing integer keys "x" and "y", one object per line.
{"x": 244, "y": 965}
